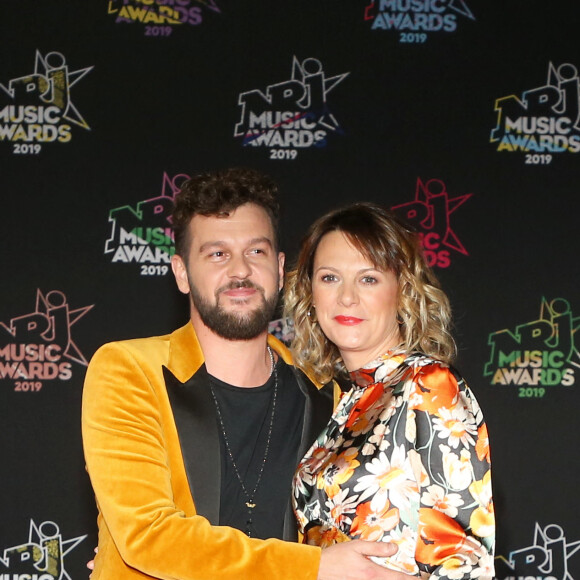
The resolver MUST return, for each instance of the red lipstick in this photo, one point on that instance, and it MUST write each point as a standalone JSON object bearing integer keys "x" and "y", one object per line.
{"x": 348, "y": 320}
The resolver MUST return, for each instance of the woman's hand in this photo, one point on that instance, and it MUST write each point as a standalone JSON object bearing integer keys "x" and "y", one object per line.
{"x": 91, "y": 563}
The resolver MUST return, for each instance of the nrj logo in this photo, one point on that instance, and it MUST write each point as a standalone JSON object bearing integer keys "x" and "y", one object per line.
{"x": 41, "y": 558}
{"x": 282, "y": 329}
{"x": 430, "y": 213}
{"x": 38, "y": 347}
{"x": 39, "y": 108}
{"x": 415, "y": 18}
{"x": 536, "y": 354}
{"x": 290, "y": 115}
{"x": 544, "y": 120}
{"x": 160, "y": 16}
{"x": 142, "y": 235}
{"x": 548, "y": 558}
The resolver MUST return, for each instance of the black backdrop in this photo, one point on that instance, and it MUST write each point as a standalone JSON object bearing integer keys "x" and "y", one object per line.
{"x": 461, "y": 114}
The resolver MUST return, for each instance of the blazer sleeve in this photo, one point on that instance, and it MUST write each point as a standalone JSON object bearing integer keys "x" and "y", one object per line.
{"x": 125, "y": 441}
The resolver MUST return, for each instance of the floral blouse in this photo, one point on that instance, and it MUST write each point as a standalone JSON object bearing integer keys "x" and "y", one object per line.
{"x": 404, "y": 459}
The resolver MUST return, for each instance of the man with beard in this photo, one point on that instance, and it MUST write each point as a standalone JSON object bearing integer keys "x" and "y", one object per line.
{"x": 191, "y": 439}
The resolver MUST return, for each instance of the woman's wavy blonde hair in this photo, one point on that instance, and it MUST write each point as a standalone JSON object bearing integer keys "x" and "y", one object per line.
{"x": 423, "y": 310}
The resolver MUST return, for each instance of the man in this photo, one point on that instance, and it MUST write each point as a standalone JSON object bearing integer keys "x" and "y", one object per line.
{"x": 191, "y": 439}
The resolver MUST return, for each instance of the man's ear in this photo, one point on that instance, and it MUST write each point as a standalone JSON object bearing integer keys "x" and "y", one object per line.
{"x": 281, "y": 261}
{"x": 180, "y": 273}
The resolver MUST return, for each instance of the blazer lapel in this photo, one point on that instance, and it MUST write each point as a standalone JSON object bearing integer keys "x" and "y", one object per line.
{"x": 194, "y": 413}
{"x": 317, "y": 412}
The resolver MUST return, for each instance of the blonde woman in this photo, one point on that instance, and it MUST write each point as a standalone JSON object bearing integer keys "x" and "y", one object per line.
{"x": 405, "y": 456}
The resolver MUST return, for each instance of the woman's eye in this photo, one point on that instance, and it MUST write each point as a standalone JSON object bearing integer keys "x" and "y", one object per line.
{"x": 328, "y": 278}
{"x": 369, "y": 280}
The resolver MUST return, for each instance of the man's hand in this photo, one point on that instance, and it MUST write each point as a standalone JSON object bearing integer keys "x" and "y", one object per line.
{"x": 349, "y": 561}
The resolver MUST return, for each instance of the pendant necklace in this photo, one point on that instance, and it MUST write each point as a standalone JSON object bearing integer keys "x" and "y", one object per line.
{"x": 250, "y": 497}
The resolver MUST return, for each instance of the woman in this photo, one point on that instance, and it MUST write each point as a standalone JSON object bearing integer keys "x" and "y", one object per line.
{"x": 405, "y": 457}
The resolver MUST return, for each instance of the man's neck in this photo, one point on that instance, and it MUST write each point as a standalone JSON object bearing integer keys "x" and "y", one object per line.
{"x": 242, "y": 363}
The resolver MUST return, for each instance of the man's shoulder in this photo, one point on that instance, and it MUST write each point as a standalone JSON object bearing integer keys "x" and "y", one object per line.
{"x": 144, "y": 348}
{"x": 138, "y": 343}
{"x": 329, "y": 389}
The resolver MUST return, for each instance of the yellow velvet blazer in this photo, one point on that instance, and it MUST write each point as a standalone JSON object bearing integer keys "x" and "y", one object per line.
{"x": 152, "y": 453}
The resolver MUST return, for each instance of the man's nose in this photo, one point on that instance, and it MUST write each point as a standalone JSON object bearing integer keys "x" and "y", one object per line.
{"x": 239, "y": 267}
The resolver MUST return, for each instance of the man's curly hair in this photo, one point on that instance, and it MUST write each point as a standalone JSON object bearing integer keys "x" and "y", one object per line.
{"x": 219, "y": 193}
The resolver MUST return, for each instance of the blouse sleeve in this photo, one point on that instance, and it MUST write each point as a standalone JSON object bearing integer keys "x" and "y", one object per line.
{"x": 456, "y": 527}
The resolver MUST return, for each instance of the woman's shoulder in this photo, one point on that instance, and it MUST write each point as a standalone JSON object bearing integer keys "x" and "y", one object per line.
{"x": 433, "y": 384}
{"x": 433, "y": 374}
{"x": 422, "y": 362}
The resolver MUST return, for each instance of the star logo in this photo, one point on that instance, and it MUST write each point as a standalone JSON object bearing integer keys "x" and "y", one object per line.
{"x": 549, "y": 555}
{"x": 152, "y": 212}
{"x": 302, "y": 73}
{"x": 461, "y": 7}
{"x": 292, "y": 113}
{"x": 50, "y": 85}
{"x": 431, "y": 211}
{"x": 51, "y": 323}
{"x": 44, "y": 553}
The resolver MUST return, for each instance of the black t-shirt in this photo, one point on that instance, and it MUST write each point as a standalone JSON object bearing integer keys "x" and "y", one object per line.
{"x": 246, "y": 414}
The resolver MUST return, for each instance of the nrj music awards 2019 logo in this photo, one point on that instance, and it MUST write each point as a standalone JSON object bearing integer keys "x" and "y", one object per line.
{"x": 414, "y": 19}
{"x": 142, "y": 234}
{"x": 291, "y": 115}
{"x": 536, "y": 355}
{"x": 37, "y": 107}
{"x": 160, "y": 17}
{"x": 41, "y": 558}
{"x": 548, "y": 558}
{"x": 430, "y": 213}
{"x": 544, "y": 121}
{"x": 38, "y": 346}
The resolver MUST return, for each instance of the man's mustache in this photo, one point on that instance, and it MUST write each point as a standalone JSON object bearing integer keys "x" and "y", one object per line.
{"x": 236, "y": 284}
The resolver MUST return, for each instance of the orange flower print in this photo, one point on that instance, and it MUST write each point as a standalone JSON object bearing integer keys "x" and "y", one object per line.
{"x": 339, "y": 470}
{"x": 456, "y": 426}
{"x": 482, "y": 519}
{"x": 389, "y": 479}
{"x": 457, "y": 469}
{"x": 318, "y": 457}
{"x": 324, "y": 536}
{"x": 482, "y": 445}
{"x": 438, "y": 387}
{"x": 363, "y": 377}
{"x": 436, "y": 497}
{"x": 370, "y": 524}
{"x": 363, "y": 410}
{"x": 341, "y": 507}
{"x": 441, "y": 539}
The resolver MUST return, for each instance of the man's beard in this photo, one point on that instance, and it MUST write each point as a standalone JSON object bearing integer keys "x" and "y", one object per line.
{"x": 233, "y": 325}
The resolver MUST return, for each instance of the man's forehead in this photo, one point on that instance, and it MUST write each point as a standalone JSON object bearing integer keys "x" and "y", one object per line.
{"x": 244, "y": 224}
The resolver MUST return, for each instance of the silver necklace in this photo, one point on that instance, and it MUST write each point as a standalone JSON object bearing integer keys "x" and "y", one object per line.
{"x": 250, "y": 497}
